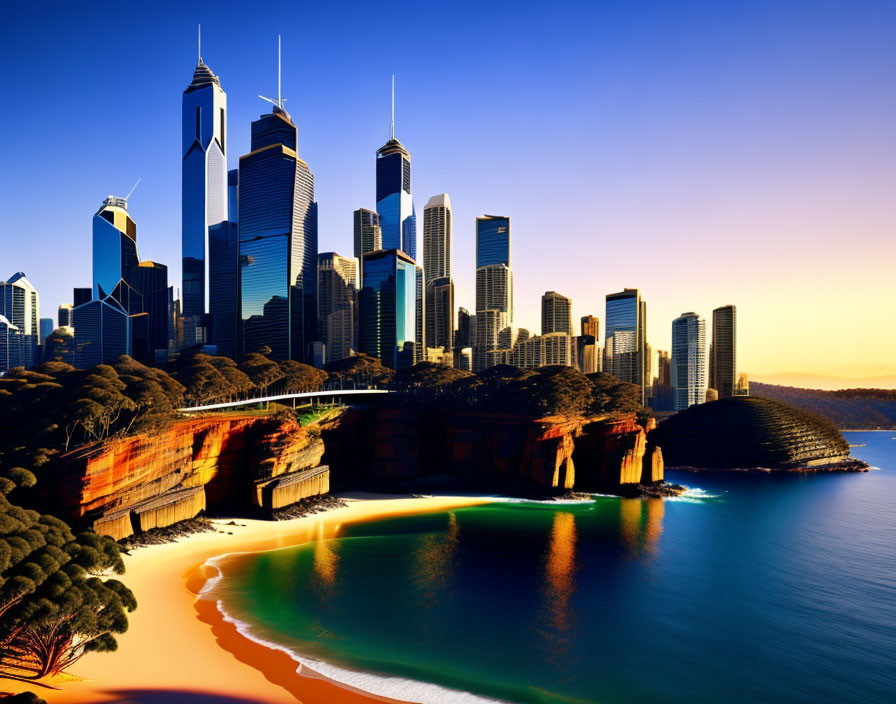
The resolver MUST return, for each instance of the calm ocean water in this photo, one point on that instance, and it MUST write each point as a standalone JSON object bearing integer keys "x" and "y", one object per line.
{"x": 752, "y": 588}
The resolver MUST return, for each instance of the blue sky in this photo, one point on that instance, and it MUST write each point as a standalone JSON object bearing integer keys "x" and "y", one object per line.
{"x": 706, "y": 152}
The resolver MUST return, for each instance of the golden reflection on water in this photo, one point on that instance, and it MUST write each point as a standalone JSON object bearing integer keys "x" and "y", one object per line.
{"x": 640, "y": 525}
{"x": 434, "y": 560}
{"x": 560, "y": 568}
{"x": 326, "y": 558}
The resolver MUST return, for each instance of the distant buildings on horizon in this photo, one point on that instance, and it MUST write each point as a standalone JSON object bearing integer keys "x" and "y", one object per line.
{"x": 253, "y": 277}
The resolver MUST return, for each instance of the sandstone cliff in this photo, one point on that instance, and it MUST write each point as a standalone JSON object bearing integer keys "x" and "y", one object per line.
{"x": 221, "y": 462}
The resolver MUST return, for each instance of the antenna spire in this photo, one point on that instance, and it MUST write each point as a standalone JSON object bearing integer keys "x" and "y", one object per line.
{"x": 279, "y": 98}
{"x": 134, "y": 188}
{"x": 392, "y": 128}
{"x": 199, "y": 44}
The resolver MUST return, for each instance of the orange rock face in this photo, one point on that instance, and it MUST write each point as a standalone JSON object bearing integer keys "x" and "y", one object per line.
{"x": 149, "y": 481}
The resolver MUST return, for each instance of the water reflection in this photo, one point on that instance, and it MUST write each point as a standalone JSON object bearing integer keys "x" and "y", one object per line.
{"x": 559, "y": 586}
{"x": 326, "y": 558}
{"x": 434, "y": 561}
{"x": 640, "y": 526}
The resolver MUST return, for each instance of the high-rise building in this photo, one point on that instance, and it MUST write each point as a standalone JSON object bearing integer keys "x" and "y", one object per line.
{"x": 723, "y": 351}
{"x": 46, "y": 327}
{"x": 224, "y": 288}
{"x": 233, "y": 195}
{"x": 591, "y": 326}
{"x": 688, "y": 364}
{"x": 278, "y": 241}
{"x": 554, "y": 348}
{"x": 150, "y": 280}
{"x": 625, "y": 353}
{"x": 419, "y": 315}
{"x": 368, "y": 236}
{"x": 492, "y": 240}
{"x": 394, "y": 202}
{"x": 494, "y": 309}
{"x": 556, "y": 313}
{"x": 20, "y": 305}
{"x": 64, "y": 315}
{"x": 102, "y": 332}
{"x": 586, "y": 354}
{"x": 337, "y": 300}
{"x": 204, "y": 191}
{"x": 12, "y": 345}
{"x": 60, "y": 345}
{"x": 462, "y": 336}
{"x": 439, "y": 316}
{"x": 437, "y": 235}
{"x": 662, "y": 385}
{"x": 388, "y": 308}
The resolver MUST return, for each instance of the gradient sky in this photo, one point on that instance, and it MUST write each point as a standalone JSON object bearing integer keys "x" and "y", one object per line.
{"x": 705, "y": 152}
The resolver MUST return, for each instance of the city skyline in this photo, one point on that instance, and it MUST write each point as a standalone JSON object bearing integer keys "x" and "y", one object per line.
{"x": 782, "y": 322}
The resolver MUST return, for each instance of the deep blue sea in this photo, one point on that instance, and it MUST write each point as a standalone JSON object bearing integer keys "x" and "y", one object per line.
{"x": 751, "y": 588}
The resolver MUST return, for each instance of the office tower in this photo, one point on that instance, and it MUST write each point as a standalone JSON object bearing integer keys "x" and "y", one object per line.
{"x": 586, "y": 353}
{"x": 368, "y": 236}
{"x": 556, "y": 313}
{"x": 81, "y": 295}
{"x": 233, "y": 198}
{"x": 419, "y": 315}
{"x": 462, "y": 336}
{"x": 175, "y": 323}
{"x": 64, "y": 315}
{"x": 317, "y": 354}
{"x": 46, "y": 327}
{"x": 743, "y": 385}
{"x": 204, "y": 191}
{"x": 554, "y": 348}
{"x": 102, "y": 332}
{"x": 437, "y": 235}
{"x": 625, "y": 354}
{"x": 388, "y": 306}
{"x": 394, "y": 202}
{"x": 463, "y": 358}
{"x": 278, "y": 241}
{"x": 150, "y": 280}
{"x": 591, "y": 326}
{"x": 662, "y": 385}
{"x": 337, "y": 301}
{"x": 224, "y": 288}
{"x": 492, "y": 240}
{"x": 12, "y": 345}
{"x": 439, "y": 317}
{"x": 494, "y": 285}
{"x": 20, "y": 305}
{"x": 688, "y": 362}
{"x": 723, "y": 351}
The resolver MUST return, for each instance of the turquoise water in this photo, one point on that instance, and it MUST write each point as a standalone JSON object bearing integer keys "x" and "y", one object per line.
{"x": 754, "y": 588}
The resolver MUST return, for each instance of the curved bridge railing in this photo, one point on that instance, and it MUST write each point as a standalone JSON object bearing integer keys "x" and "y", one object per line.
{"x": 283, "y": 397}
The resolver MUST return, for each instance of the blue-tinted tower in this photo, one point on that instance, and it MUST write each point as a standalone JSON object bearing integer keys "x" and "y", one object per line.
{"x": 492, "y": 240}
{"x": 277, "y": 241}
{"x": 204, "y": 191}
{"x": 388, "y": 303}
{"x": 394, "y": 202}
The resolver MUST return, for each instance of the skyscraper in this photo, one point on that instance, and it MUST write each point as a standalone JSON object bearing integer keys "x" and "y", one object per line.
{"x": 419, "y": 315}
{"x": 278, "y": 240}
{"x": 12, "y": 345}
{"x": 494, "y": 286}
{"x": 591, "y": 326}
{"x": 368, "y": 236}
{"x": 337, "y": 299}
{"x": 688, "y": 364}
{"x": 394, "y": 202}
{"x": 437, "y": 235}
{"x": 388, "y": 308}
{"x": 662, "y": 385}
{"x": 556, "y": 313}
{"x": 46, "y": 327}
{"x": 204, "y": 190}
{"x": 64, "y": 315}
{"x": 723, "y": 351}
{"x": 224, "y": 288}
{"x": 625, "y": 353}
{"x": 462, "y": 337}
{"x": 20, "y": 305}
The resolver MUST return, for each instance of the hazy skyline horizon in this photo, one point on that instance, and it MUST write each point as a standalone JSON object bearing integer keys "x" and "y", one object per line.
{"x": 717, "y": 179}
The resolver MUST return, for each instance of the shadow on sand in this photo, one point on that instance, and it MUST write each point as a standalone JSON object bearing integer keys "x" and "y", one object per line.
{"x": 172, "y": 696}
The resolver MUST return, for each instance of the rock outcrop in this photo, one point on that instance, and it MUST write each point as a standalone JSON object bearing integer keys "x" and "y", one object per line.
{"x": 223, "y": 462}
{"x": 502, "y": 451}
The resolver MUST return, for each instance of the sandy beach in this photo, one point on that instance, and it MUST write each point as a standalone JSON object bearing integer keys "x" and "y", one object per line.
{"x": 180, "y": 649}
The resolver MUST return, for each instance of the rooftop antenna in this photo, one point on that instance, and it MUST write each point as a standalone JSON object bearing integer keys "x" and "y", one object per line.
{"x": 392, "y": 129}
{"x": 134, "y": 188}
{"x": 280, "y": 100}
{"x": 199, "y": 44}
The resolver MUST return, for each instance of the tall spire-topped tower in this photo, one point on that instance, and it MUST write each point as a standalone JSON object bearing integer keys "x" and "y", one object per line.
{"x": 394, "y": 201}
{"x": 277, "y": 238}
{"x": 204, "y": 189}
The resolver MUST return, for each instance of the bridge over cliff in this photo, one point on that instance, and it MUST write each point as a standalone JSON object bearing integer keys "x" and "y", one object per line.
{"x": 284, "y": 398}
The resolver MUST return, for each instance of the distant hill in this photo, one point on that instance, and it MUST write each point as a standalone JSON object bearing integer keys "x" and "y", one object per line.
{"x": 849, "y": 409}
{"x": 824, "y": 382}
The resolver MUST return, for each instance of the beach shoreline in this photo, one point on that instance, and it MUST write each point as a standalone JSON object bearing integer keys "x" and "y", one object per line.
{"x": 180, "y": 647}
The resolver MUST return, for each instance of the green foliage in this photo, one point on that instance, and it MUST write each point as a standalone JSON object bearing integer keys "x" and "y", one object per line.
{"x": 53, "y": 605}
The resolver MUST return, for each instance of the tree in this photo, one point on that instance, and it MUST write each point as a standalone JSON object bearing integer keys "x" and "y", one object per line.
{"x": 360, "y": 370}
{"x": 261, "y": 371}
{"x": 299, "y": 378}
{"x": 53, "y": 606}
{"x": 428, "y": 375}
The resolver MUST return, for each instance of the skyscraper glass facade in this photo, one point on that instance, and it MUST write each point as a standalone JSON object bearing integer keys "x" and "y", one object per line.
{"x": 224, "y": 299}
{"x": 394, "y": 202}
{"x": 723, "y": 351}
{"x": 688, "y": 364}
{"x": 20, "y": 305}
{"x": 492, "y": 240}
{"x": 625, "y": 355}
{"x": 388, "y": 305}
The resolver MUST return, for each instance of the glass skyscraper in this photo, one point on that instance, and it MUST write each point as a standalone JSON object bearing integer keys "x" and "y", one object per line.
{"x": 492, "y": 240}
{"x": 337, "y": 298}
{"x": 20, "y": 305}
{"x": 494, "y": 287}
{"x": 224, "y": 295}
{"x": 388, "y": 304}
{"x": 723, "y": 351}
{"x": 688, "y": 364}
{"x": 204, "y": 191}
{"x": 625, "y": 348}
{"x": 278, "y": 242}
{"x": 394, "y": 202}
{"x": 556, "y": 313}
